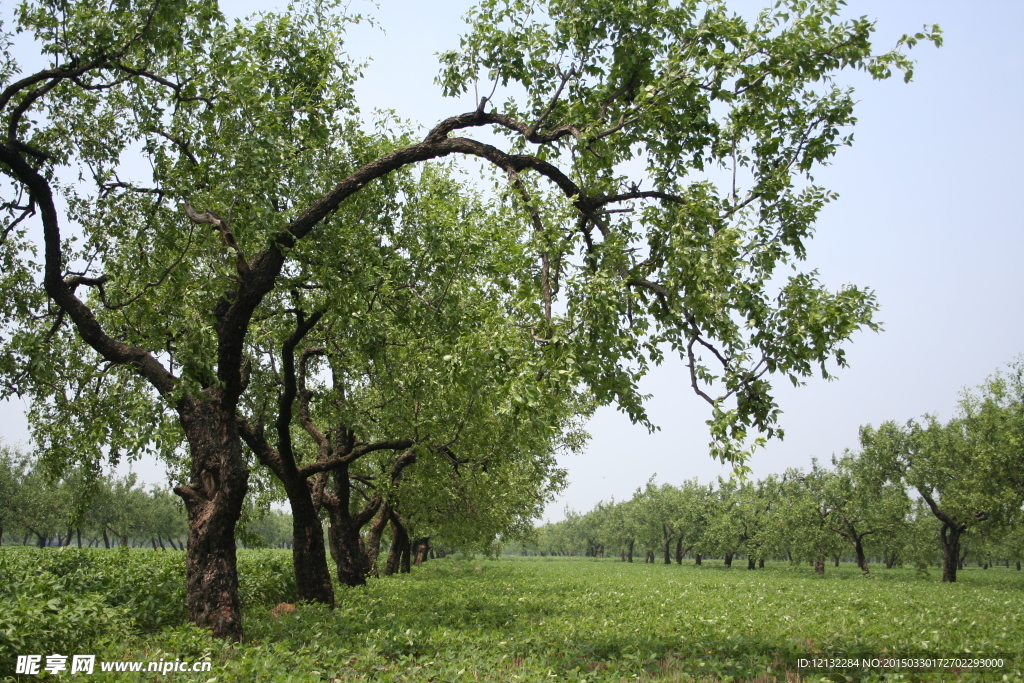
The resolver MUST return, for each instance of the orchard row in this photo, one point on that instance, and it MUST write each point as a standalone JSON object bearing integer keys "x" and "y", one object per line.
{"x": 922, "y": 493}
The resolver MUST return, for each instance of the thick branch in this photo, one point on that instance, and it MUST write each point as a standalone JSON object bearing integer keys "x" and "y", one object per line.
{"x": 63, "y": 294}
{"x": 287, "y": 398}
{"x": 353, "y": 455}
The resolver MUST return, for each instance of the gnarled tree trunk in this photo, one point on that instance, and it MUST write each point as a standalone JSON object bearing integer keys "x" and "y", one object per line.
{"x": 213, "y": 498}
{"x": 951, "y": 558}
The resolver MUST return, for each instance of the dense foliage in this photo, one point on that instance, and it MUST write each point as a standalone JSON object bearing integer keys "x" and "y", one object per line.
{"x": 465, "y": 619}
{"x": 84, "y": 600}
{"x": 187, "y": 198}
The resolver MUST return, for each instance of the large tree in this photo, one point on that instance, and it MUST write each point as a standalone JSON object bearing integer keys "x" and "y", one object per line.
{"x": 139, "y": 319}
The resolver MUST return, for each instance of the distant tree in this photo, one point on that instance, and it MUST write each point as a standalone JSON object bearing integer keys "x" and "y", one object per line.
{"x": 968, "y": 471}
{"x": 723, "y": 535}
{"x": 800, "y": 520}
{"x": 857, "y": 503}
{"x": 11, "y": 469}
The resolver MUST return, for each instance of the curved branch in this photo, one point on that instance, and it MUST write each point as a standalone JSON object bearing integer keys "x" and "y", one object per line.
{"x": 63, "y": 294}
{"x": 356, "y": 453}
{"x": 287, "y": 398}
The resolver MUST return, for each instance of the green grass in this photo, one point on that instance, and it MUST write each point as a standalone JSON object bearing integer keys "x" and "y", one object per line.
{"x": 591, "y": 620}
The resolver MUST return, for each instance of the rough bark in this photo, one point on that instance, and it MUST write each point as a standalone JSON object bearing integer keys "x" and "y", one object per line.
{"x": 309, "y": 557}
{"x": 343, "y": 531}
{"x": 728, "y": 559}
{"x": 950, "y": 538}
{"x": 819, "y": 564}
{"x": 213, "y": 498}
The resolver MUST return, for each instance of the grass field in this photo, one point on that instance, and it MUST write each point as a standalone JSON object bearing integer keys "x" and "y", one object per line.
{"x": 519, "y": 619}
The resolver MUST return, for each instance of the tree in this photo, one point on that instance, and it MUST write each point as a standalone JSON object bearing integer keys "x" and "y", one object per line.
{"x": 855, "y": 502}
{"x": 253, "y": 155}
{"x": 968, "y": 470}
{"x": 801, "y": 519}
{"x": 415, "y": 366}
{"x": 11, "y": 472}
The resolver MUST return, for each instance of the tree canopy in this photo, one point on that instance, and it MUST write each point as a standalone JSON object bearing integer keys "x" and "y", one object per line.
{"x": 187, "y": 181}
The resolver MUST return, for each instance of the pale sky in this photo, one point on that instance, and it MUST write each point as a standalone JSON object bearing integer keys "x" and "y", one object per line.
{"x": 926, "y": 218}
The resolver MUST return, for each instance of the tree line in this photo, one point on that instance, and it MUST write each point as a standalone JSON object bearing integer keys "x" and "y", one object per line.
{"x": 920, "y": 493}
{"x": 209, "y": 254}
{"x": 88, "y": 509}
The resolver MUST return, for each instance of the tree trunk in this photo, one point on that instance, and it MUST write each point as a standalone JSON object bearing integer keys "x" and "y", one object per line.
{"x": 214, "y": 496}
{"x": 1018, "y": 565}
{"x": 376, "y": 530}
{"x": 309, "y": 557}
{"x": 751, "y": 563}
{"x": 629, "y": 550}
{"x": 837, "y": 560}
{"x": 862, "y": 561}
{"x": 667, "y": 550}
{"x": 404, "y": 566}
{"x": 79, "y": 533}
{"x": 819, "y": 564}
{"x": 697, "y": 558}
{"x": 951, "y": 558}
{"x": 760, "y": 563}
{"x": 399, "y": 546}
{"x": 420, "y": 547}
{"x": 349, "y": 555}
{"x": 679, "y": 550}
{"x": 728, "y": 559}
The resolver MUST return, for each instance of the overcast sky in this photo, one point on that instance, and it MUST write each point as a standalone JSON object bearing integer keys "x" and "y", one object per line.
{"x": 926, "y": 217}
